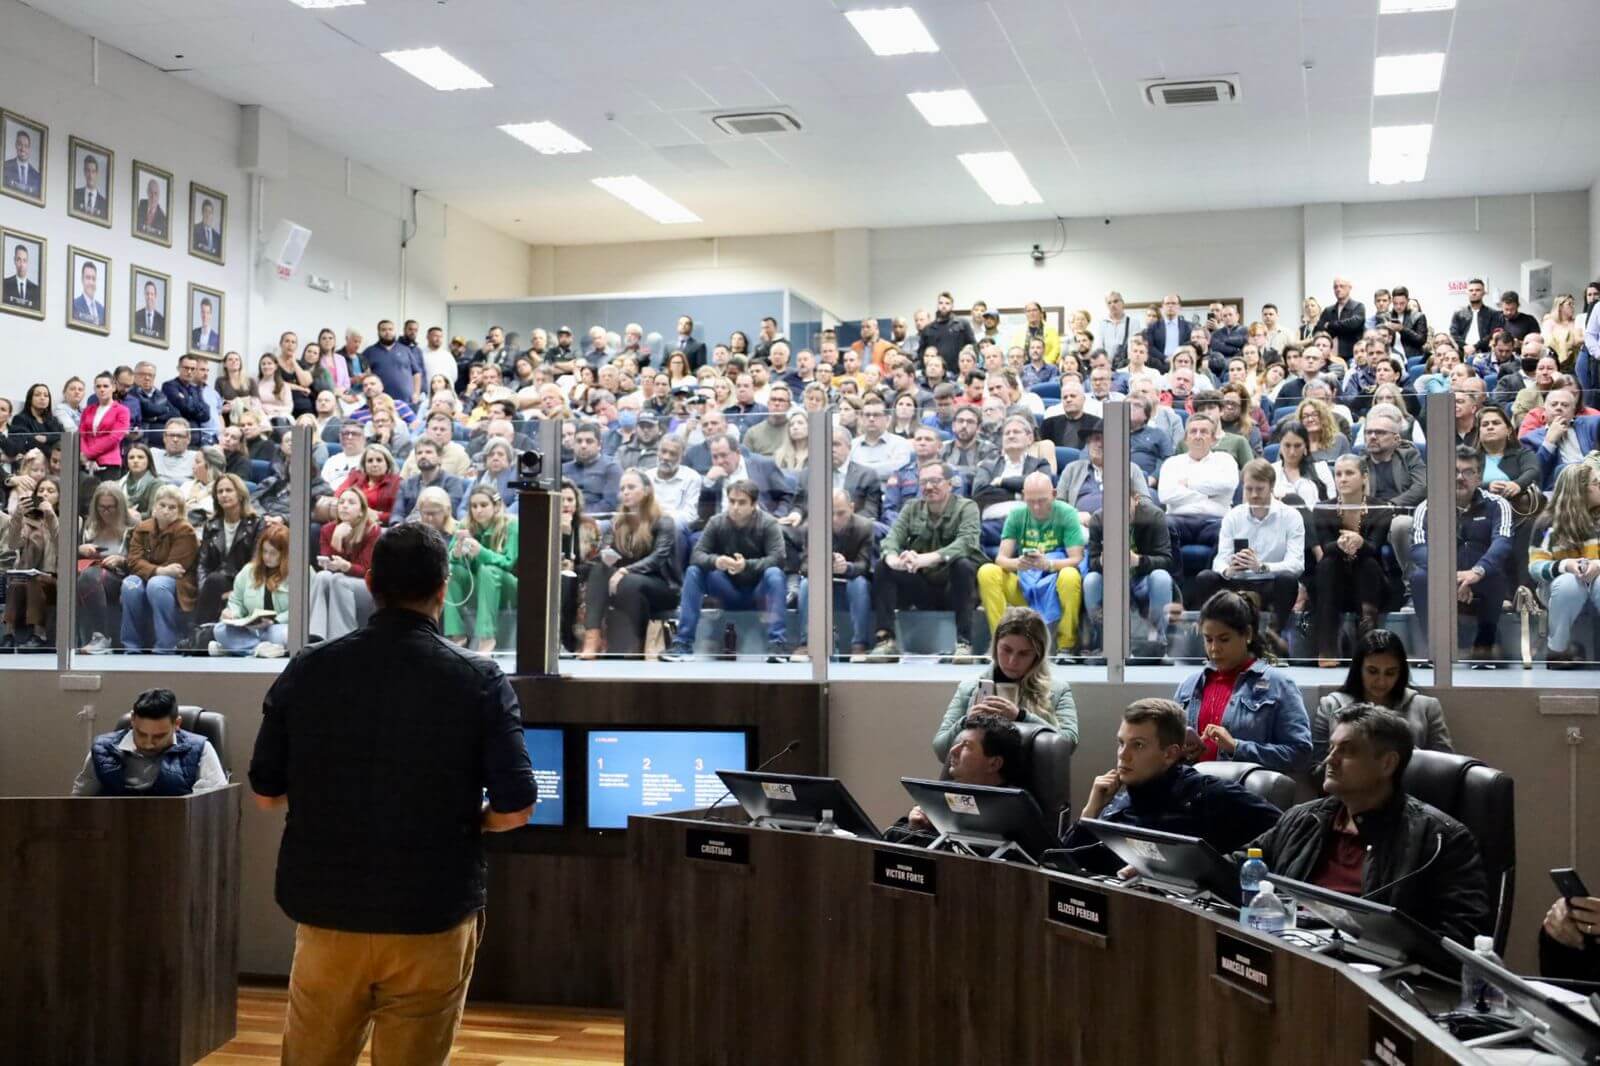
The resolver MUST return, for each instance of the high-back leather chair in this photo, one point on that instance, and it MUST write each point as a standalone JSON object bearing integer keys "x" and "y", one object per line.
{"x": 1276, "y": 788}
{"x": 1480, "y": 798}
{"x": 1046, "y": 770}
{"x": 209, "y": 724}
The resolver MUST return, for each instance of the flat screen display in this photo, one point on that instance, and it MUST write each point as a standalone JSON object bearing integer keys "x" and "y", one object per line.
{"x": 637, "y": 771}
{"x": 547, "y": 752}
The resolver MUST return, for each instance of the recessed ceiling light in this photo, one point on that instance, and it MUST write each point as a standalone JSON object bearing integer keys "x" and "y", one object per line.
{"x": 1398, "y": 75}
{"x": 317, "y": 5}
{"x": 438, "y": 68}
{"x": 1399, "y": 153}
{"x": 892, "y": 31}
{"x": 1406, "y": 7}
{"x": 545, "y": 137}
{"x": 647, "y": 199}
{"x": 1002, "y": 177}
{"x": 951, "y": 107}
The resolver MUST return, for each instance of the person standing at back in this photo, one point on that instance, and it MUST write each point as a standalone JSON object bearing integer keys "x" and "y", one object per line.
{"x": 380, "y": 744}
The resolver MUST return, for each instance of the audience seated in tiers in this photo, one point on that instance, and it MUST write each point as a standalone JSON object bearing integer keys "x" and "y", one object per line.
{"x": 154, "y": 756}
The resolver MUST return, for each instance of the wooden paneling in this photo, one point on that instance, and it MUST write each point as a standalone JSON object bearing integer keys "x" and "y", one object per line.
{"x": 122, "y": 928}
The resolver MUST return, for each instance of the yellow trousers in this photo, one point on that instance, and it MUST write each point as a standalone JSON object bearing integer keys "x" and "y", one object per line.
{"x": 999, "y": 589}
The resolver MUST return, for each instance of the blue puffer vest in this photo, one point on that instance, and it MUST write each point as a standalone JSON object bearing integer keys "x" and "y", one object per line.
{"x": 180, "y": 765}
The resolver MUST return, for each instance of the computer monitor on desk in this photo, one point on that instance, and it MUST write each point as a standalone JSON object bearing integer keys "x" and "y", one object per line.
{"x": 1369, "y": 931}
{"x": 1545, "y": 1020}
{"x": 1183, "y": 865}
{"x": 981, "y": 820}
{"x": 796, "y": 801}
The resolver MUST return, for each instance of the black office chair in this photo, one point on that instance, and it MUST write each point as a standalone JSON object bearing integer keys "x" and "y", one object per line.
{"x": 209, "y": 724}
{"x": 1046, "y": 770}
{"x": 1480, "y": 798}
{"x": 1276, "y": 788}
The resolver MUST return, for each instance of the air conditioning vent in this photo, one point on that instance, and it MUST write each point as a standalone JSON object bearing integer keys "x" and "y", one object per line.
{"x": 756, "y": 123}
{"x": 1197, "y": 92}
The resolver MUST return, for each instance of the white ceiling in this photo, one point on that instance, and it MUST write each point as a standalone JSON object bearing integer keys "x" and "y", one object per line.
{"x": 1058, "y": 79}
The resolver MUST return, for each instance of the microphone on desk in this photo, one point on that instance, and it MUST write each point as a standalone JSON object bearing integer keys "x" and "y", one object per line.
{"x": 1438, "y": 846}
{"x": 787, "y": 748}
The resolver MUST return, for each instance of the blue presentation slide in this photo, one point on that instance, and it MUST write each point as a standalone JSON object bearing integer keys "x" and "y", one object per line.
{"x": 650, "y": 772}
{"x": 547, "y": 752}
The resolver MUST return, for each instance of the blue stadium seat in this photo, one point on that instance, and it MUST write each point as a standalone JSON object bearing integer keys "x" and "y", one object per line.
{"x": 1048, "y": 391}
{"x": 1065, "y": 456}
{"x": 1270, "y": 453}
{"x": 260, "y": 470}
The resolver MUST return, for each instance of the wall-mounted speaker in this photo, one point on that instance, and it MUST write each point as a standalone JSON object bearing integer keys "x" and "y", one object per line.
{"x": 285, "y": 248}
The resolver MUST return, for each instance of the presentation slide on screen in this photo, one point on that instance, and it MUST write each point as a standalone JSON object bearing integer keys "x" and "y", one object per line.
{"x": 546, "y": 751}
{"x": 649, "y": 772}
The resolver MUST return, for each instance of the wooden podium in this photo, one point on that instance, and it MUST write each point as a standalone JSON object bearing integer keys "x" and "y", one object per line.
{"x": 121, "y": 919}
{"x": 754, "y": 946}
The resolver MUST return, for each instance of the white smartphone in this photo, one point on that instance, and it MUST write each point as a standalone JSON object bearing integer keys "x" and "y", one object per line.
{"x": 985, "y": 689}
{"x": 609, "y": 556}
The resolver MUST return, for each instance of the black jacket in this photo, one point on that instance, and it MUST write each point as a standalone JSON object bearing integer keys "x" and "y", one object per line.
{"x": 858, "y": 543}
{"x": 760, "y": 542}
{"x": 214, "y": 560}
{"x": 1185, "y": 801}
{"x": 1569, "y": 964}
{"x": 23, "y": 430}
{"x": 776, "y": 489}
{"x": 1346, "y": 326}
{"x": 1151, "y": 540}
{"x": 949, "y": 335}
{"x": 1450, "y": 897}
{"x": 661, "y": 561}
{"x": 1489, "y": 320}
{"x": 1414, "y": 333}
{"x": 989, "y": 487}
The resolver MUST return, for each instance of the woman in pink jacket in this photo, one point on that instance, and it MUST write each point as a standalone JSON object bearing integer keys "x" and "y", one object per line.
{"x": 102, "y": 427}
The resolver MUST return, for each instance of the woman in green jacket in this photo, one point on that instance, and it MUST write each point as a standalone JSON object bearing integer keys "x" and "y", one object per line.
{"x": 1023, "y": 688}
{"x": 261, "y": 585}
{"x": 483, "y": 568}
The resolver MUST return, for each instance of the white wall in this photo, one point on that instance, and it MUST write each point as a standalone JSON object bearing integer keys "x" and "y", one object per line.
{"x": 1594, "y": 234}
{"x": 355, "y": 214}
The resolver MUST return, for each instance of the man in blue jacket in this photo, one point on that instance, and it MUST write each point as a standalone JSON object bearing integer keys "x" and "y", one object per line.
{"x": 1483, "y": 552}
{"x": 152, "y": 756}
{"x": 1564, "y": 439}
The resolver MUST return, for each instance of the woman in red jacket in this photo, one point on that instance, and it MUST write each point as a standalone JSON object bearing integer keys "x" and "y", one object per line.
{"x": 377, "y": 480}
{"x": 339, "y": 596}
{"x": 103, "y": 425}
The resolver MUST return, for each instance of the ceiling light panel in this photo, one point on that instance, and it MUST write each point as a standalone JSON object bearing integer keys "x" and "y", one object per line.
{"x": 950, "y": 107}
{"x": 1002, "y": 177}
{"x": 1399, "y": 154}
{"x": 319, "y": 5}
{"x": 647, "y": 199}
{"x": 1398, "y": 75}
{"x": 1407, "y": 7}
{"x": 892, "y": 31}
{"x": 545, "y": 138}
{"x": 438, "y": 68}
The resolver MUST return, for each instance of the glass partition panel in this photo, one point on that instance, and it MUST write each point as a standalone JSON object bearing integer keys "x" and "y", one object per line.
{"x": 30, "y": 547}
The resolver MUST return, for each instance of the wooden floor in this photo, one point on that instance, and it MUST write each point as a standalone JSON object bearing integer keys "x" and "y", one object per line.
{"x": 490, "y": 1034}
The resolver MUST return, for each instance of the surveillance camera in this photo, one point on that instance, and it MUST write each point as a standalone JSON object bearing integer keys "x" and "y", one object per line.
{"x": 1108, "y": 222}
{"x": 1037, "y": 254}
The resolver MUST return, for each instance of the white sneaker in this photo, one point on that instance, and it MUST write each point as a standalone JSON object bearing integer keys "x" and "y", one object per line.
{"x": 268, "y": 650}
{"x": 98, "y": 644}
{"x": 216, "y": 650}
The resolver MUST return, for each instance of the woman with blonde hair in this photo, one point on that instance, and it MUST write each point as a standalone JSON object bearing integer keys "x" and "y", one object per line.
{"x": 1562, "y": 332}
{"x": 1322, "y": 431}
{"x": 161, "y": 587}
{"x": 1310, "y": 311}
{"x": 1565, "y": 557}
{"x": 792, "y": 454}
{"x": 261, "y": 585}
{"x": 636, "y": 577}
{"x": 30, "y": 543}
{"x": 1018, "y": 686}
{"x": 433, "y": 509}
{"x": 102, "y": 563}
{"x": 483, "y": 569}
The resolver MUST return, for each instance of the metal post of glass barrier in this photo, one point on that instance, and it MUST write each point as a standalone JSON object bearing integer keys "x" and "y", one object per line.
{"x": 1116, "y": 573}
{"x": 1441, "y": 534}
{"x": 300, "y": 466}
{"x": 819, "y": 543}
{"x": 67, "y": 552}
{"x": 539, "y": 556}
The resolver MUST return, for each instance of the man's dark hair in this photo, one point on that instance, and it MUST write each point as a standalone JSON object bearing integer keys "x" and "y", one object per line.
{"x": 746, "y": 488}
{"x": 1265, "y": 306}
{"x": 1400, "y": 290}
{"x": 426, "y": 442}
{"x": 1510, "y": 297}
{"x": 1384, "y": 730}
{"x": 999, "y": 738}
{"x": 156, "y": 703}
{"x": 1465, "y": 454}
{"x": 591, "y": 428}
{"x": 1172, "y": 725}
{"x": 410, "y": 563}
{"x": 944, "y": 391}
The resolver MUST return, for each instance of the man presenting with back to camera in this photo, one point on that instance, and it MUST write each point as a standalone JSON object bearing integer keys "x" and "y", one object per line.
{"x": 380, "y": 744}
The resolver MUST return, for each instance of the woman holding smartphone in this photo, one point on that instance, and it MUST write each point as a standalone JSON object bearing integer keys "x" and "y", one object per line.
{"x": 1017, "y": 687}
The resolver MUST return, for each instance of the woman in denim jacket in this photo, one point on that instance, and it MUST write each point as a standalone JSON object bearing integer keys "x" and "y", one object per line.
{"x": 1240, "y": 707}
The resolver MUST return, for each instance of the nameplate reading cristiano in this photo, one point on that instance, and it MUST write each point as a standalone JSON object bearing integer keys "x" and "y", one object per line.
{"x": 909, "y": 873}
{"x": 1245, "y": 965}
{"x": 1077, "y": 908}
{"x": 715, "y": 845}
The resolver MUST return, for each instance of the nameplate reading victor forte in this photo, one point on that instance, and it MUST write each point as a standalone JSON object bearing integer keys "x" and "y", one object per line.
{"x": 909, "y": 873}
{"x": 715, "y": 845}
{"x": 1077, "y": 908}
{"x": 1245, "y": 964}
{"x": 1387, "y": 1043}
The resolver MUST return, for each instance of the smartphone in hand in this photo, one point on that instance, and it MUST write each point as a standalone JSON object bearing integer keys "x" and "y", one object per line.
{"x": 1568, "y": 883}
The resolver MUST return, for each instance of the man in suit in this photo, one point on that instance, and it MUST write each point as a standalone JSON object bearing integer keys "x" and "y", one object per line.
{"x": 1168, "y": 333}
{"x": 1345, "y": 320}
{"x": 207, "y": 237}
{"x": 86, "y": 308}
{"x": 89, "y": 198}
{"x": 862, "y": 483}
{"x": 693, "y": 350}
{"x": 20, "y": 290}
{"x": 730, "y": 465}
{"x": 203, "y": 338}
{"x": 148, "y": 321}
{"x": 152, "y": 219}
{"x": 21, "y": 173}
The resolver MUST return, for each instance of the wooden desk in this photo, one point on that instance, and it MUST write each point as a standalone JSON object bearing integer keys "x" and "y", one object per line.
{"x": 121, "y": 928}
{"x": 802, "y": 955}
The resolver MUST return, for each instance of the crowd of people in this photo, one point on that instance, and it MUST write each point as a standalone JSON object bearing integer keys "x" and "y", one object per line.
{"x": 1282, "y": 460}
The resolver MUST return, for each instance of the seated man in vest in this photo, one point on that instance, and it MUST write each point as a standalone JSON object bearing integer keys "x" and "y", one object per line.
{"x": 987, "y": 751}
{"x": 1152, "y": 786}
{"x": 1368, "y": 838}
{"x": 153, "y": 757}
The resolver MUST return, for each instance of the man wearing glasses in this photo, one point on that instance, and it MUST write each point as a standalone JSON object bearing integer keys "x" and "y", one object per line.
{"x": 1396, "y": 474}
{"x": 877, "y": 449}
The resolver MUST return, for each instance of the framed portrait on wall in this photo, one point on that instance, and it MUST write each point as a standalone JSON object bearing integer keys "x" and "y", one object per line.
{"x": 91, "y": 181}
{"x": 88, "y": 290}
{"x": 208, "y": 223}
{"x": 24, "y": 146}
{"x": 152, "y": 204}
{"x": 149, "y": 307}
{"x": 205, "y": 322}
{"x": 23, "y": 275}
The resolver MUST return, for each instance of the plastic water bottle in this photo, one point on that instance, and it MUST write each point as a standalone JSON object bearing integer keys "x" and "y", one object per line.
{"x": 826, "y": 827}
{"x": 1251, "y": 873}
{"x": 1478, "y": 994}
{"x": 730, "y": 641}
{"x": 1266, "y": 912}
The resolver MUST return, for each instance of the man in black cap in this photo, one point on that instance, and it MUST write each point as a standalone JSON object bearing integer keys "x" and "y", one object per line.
{"x": 640, "y": 452}
{"x": 561, "y": 355}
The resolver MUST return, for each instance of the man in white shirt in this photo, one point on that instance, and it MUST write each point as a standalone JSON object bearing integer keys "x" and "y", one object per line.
{"x": 1196, "y": 486}
{"x": 1261, "y": 547}
{"x": 174, "y": 463}
{"x": 352, "y": 442}
{"x": 677, "y": 486}
{"x": 881, "y": 452}
{"x": 1114, "y": 331}
{"x": 436, "y": 359}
